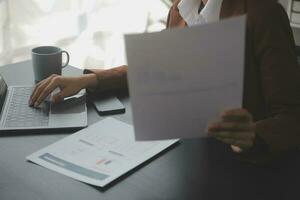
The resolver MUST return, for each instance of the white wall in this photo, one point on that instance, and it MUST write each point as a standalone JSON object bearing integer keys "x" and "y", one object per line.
{"x": 295, "y": 30}
{"x": 297, "y": 36}
{"x": 284, "y": 2}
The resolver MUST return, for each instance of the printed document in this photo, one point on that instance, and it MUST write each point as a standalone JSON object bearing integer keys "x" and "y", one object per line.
{"x": 182, "y": 79}
{"x": 99, "y": 154}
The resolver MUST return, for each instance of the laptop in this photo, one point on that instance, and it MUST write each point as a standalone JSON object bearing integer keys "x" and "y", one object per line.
{"x": 17, "y": 115}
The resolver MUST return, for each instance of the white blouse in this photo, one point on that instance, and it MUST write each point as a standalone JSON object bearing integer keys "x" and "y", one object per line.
{"x": 188, "y": 10}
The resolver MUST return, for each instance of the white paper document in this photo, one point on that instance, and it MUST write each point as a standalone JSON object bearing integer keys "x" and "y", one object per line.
{"x": 181, "y": 79}
{"x": 99, "y": 154}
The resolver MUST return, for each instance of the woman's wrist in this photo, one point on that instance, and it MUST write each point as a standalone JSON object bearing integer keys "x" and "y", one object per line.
{"x": 105, "y": 80}
{"x": 88, "y": 80}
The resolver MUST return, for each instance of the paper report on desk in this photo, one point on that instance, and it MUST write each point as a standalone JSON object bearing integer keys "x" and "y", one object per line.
{"x": 181, "y": 79}
{"x": 98, "y": 154}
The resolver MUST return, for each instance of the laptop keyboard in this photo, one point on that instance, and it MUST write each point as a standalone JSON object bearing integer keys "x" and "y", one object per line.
{"x": 21, "y": 115}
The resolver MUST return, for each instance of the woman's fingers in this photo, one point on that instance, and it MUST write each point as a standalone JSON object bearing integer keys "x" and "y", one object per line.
{"x": 243, "y": 144}
{"x": 230, "y": 126}
{"x": 40, "y": 89}
{"x": 46, "y": 92}
{"x": 37, "y": 92}
{"x": 236, "y": 115}
{"x": 235, "y": 128}
{"x": 36, "y": 88}
{"x": 234, "y": 135}
{"x": 34, "y": 92}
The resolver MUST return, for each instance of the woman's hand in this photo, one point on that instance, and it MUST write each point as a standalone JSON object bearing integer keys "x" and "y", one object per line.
{"x": 236, "y": 128}
{"x": 68, "y": 86}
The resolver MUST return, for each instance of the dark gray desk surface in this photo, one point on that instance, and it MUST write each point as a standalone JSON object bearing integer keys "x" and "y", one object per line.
{"x": 194, "y": 169}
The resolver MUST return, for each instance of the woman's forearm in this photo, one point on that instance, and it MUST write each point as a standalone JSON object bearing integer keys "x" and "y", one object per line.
{"x": 106, "y": 80}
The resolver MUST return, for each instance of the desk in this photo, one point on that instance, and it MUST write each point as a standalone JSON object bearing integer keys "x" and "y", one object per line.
{"x": 194, "y": 169}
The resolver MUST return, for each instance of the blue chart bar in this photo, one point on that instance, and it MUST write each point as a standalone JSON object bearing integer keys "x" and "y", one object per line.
{"x": 72, "y": 167}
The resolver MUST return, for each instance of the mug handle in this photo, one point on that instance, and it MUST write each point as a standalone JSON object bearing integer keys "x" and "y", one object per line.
{"x": 68, "y": 59}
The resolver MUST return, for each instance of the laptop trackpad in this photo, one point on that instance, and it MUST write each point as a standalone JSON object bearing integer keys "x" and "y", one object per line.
{"x": 70, "y": 106}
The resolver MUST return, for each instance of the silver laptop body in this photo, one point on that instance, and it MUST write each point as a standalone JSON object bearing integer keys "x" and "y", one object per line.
{"x": 17, "y": 115}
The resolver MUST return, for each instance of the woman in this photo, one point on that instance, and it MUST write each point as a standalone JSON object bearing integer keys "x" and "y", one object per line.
{"x": 268, "y": 124}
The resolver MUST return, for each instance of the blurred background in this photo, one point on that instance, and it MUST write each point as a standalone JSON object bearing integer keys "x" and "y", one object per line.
{"x": 91, "y": 30}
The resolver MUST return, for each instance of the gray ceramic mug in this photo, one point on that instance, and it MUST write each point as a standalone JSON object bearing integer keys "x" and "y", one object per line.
{"x": 47, "y": 60}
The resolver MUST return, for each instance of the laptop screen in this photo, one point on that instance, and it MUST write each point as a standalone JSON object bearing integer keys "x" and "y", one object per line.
{"x": 3, "y": 90}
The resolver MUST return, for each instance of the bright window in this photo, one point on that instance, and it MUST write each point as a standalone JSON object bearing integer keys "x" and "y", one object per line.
{"x": 91, "y": 30}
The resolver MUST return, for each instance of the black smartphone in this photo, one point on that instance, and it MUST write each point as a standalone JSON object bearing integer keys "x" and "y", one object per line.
{"x": 108, "y": 105}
